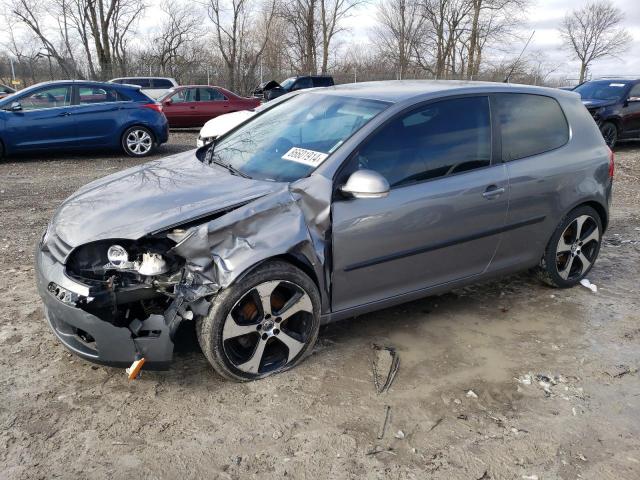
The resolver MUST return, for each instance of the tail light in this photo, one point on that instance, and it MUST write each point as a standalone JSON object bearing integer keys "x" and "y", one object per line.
{"x": 612, "y": 163}
{"x": 153, "y": 106}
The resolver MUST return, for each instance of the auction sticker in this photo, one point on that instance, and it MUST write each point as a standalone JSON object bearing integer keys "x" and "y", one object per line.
{"x": 302, "y": 155}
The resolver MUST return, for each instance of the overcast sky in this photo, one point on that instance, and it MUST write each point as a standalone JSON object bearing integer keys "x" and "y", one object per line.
{"x": 544, "y": 16}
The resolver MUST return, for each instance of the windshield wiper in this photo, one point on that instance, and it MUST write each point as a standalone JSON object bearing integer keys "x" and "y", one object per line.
{"x": 229, "y": 167}
{"x": 210, "y": 158}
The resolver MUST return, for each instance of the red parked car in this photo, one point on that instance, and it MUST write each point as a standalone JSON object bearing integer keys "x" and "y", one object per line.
{"x": 193, "y": 106}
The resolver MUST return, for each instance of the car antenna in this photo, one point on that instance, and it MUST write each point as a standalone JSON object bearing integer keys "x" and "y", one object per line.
{"x": 508, "y": 77}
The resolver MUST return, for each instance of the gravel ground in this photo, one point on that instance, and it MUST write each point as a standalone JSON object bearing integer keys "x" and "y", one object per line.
{"x": 555, "y": 392}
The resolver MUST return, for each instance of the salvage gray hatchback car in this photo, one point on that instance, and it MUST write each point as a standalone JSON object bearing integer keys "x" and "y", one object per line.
{"x": 330, "y": 204}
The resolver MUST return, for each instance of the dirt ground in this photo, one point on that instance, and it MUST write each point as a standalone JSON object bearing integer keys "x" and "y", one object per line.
{"x": 554, "y": 372}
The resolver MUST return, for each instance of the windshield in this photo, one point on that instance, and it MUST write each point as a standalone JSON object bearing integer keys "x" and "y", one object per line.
{"x": 609, "y": 90}
{"x": 290, "y": 140}
{"x": 288, "y": 83}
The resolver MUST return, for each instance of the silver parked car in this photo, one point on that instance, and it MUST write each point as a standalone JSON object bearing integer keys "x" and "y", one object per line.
{"x": 330, "y": 204}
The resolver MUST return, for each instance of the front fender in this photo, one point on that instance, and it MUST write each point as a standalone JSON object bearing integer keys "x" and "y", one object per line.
{"x": 293, "y": 221}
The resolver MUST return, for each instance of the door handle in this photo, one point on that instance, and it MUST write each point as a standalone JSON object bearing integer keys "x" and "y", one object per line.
{"x": 493, "y": 191}
{"x": 64, "y": 114}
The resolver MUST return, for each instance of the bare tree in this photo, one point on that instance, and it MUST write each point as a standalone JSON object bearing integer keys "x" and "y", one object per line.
{"x": 594, "y": 31}
{"x": 332, "y": 14}
{"x": 101, "y": 27}
{"x": 490, "y": 19}
{"x": 234, "y": 28}
{"x": 400, "y": 29}
{"x": 301, "y": 20}
{"x": 174, "y": 44}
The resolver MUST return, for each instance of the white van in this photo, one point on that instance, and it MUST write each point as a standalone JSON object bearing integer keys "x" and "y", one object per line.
{"x": 154, "y": 87}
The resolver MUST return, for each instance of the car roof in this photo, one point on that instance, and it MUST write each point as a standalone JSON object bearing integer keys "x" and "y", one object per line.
{"x": 395, "y": 91}
{"x": 82, "y": 82}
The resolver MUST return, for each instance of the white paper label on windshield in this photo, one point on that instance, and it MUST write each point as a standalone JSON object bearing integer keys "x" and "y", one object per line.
{"x": 616, "y": 84}
{"x": 302, "y": 155}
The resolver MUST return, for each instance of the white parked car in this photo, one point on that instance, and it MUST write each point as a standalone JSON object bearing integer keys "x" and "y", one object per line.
{"x": 154, "y": 87}
{"x": 222, "y": 124}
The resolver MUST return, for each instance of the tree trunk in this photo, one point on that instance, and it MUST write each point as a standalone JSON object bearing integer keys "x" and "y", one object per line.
{"x": 583, "y": 71}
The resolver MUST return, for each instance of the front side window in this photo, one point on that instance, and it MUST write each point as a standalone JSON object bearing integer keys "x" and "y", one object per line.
{"x": 437, "y": 140}
{"x": 184, "y": 95}
{"x": 210, "y": 95}
{"x": 530, "y": 124}
{"x": 47, "y": 98}
{"x": 289, "y": 140}
{"x": 301, "y": 83}
{"x": 635, "y": 91}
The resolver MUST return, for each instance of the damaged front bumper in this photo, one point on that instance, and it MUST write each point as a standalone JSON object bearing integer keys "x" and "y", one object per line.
{"x": 98, "y": 340}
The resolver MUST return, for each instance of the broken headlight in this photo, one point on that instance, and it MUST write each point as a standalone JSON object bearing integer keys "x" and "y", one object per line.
{"x": 147, "y": 257}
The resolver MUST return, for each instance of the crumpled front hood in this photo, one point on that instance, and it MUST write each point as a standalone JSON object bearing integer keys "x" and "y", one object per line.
{"x": 151, "y": 197}
{"x": 592, "y": 103}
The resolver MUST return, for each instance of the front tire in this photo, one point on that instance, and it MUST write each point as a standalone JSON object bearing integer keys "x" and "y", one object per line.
{"x": 265, "y": 323}
{"x": 609, "y": 133}
{"x": 573, "y": 248}
{"x": 138, "y": 142}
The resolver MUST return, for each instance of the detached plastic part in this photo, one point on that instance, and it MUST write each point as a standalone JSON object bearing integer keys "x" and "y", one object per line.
{"x": 134, "y": 370}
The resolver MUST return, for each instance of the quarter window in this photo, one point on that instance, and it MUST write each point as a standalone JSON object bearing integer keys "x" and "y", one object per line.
{"x": 530, "y": 124}
{"x": 437, "y": 140}
{"x": 47, "y": 98}
{"x": 635, "y": 91}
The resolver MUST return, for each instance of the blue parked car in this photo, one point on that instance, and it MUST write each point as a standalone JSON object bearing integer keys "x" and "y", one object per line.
{"x": 81, "y": 115}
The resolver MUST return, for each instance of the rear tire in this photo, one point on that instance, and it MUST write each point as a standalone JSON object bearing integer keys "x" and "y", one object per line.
{"x": 138, "y": 142}
{"x": 265, "y": 323}
{"x": 609, "y": 133}
{"x": 573, "y": 248}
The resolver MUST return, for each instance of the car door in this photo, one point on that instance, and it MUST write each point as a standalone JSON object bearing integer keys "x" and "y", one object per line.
{"x": 631, "y": 112}
{"x": 181, "y": 108}
{"x": 443, "y": 216}
{"x": 211, "y": 103}
{"x": 98, "y": 115}
{"x": 43, "y": 121}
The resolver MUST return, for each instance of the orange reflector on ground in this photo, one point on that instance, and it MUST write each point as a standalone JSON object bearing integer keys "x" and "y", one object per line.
{"x": 134, "y": 369}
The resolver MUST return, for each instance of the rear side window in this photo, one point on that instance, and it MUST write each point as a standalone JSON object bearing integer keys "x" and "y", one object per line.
{"x": 635, "y": 91}
{"x": 322, "y": 82}
{"x": 90, "y": 95}
{"x": 530, "y": 124}
{"x": 210, "y": 95}
{"x": 440, "y": 139}
{"x": 162, "y": 83}
{"x": 141, "y": 82}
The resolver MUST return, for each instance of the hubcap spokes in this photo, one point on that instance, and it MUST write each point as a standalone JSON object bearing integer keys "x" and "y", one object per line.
{"x": 139, "y": 142}
{"x": 276, "y": 332}
{"x": 577, "y": 247}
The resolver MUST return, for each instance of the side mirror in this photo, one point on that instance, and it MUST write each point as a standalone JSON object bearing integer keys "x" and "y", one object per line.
{"x": 15, "y": 107}
{"x": 168, "y": 102}
{"x": 366, "y": 184}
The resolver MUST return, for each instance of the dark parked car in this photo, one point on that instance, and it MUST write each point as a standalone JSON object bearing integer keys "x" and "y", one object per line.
{"x": 193, "y": 106}
{"x": 327, "y": 205}
{"x": 79, "y": 115}
{"x": 615, "y": 106}
{"x": 273, "y": 89}
{"x": 5, "y": 91}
